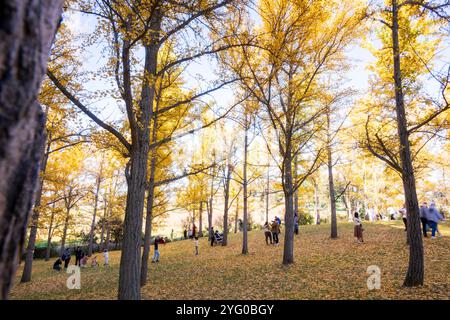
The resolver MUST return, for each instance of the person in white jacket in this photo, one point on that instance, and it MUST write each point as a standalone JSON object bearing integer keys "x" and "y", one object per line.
{"x": 106, "y": 257}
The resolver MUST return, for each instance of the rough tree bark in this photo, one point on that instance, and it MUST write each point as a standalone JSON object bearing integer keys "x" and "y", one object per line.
{"x": 66, "y": 226}
{"x": 150, "y": 200}
{"x": 334, "y": 233}
{"x": 288, "y": 186}
{"x": 245, "y": 195}
{"x": 94, "y": 215}
{"x": 226, "y": 208}
{"x": 415, "y": 273}
{"x": 27, "y": 30}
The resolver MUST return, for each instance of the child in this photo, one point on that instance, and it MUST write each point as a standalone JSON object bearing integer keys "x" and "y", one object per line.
{"x": 358, "y": 228}
{"x": 156, "y": 254}
{"x": 94, "y": 262}
{"x": 196, "y": 245}
{"x": 106, "y": 256}
{"x": 57, "y": 264}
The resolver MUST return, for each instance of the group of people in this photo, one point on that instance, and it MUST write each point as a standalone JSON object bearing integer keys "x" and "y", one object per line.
{"x": 430, "y": 217}
{"x": 272, "y": 231}
{"x": 81, "y": 259}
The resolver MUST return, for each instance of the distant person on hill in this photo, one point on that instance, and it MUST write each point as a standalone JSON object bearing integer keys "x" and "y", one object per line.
{"x": 106, "y": 257}
{"x": 84, "y": 261}
{"x": 94, "y": 262}
{"x": 423, "y": 218}
{"x": 404, "y": 214}
{"x": 57, "y": 264}
{"x": 267, "y": 233}
{"x": 275, "y": 228}
{"x": 433, "y": 218}
{"x": 196, "y": 245}
{"x": 66, "y": 258}
{"x": 358, "y": 230}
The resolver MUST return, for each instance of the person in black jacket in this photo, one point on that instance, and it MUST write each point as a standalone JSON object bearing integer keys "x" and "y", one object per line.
{"x": 66, "y": 258}
{"x": 78, "y": 256}
{"x": 57, "y": 264}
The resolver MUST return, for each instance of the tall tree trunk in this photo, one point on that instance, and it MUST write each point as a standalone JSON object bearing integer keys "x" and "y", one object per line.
{"x": 66, "y": 226}
{"x": 316, "y": 202}
{"x": 296, "y": 191}
{"x": 94, "y": 215}
{"x": 334, "y": 233}
{"x": 200, "y": 220}
{"x": 150, "y": 200}
{"x": 267, "y": 191}
{"x": 415, "y": 273}
{"x": 108, "y": 229}
{"x": 225, "y": 208}
{"x": 236, "y": 217}
{"x": 102, "y": 233}
{"x": 26, "y": 274}
{"x": 288, "y": 253}
{"x": 49, "y": 236}
{"x": 27, "y": 31}
{"x": 245, "y": 193}
{"x": 130, "y": 261}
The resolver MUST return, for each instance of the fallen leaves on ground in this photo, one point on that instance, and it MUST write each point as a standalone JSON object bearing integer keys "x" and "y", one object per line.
{"x": 323, "y": 269}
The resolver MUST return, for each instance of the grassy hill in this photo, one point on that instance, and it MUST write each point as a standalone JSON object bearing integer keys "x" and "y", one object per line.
{"x": 323, "y": 269}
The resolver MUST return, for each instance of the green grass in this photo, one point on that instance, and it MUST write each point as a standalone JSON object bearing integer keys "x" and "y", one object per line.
{"x": 323, "y": 269}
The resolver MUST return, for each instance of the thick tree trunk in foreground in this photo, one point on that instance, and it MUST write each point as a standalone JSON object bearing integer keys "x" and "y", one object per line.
{"x": 415, "y": 273}
{"x": 27, "y": 30}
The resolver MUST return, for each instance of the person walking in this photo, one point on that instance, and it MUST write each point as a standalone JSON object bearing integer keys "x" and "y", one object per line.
{"x": 433, "y": 218}
{"x": 423, "y": 218}
{"x": 267, "y": 233}
{"x": 196, "y": 245}
{"x": 275, "y": 228}
{"x": 358, "y": 230}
